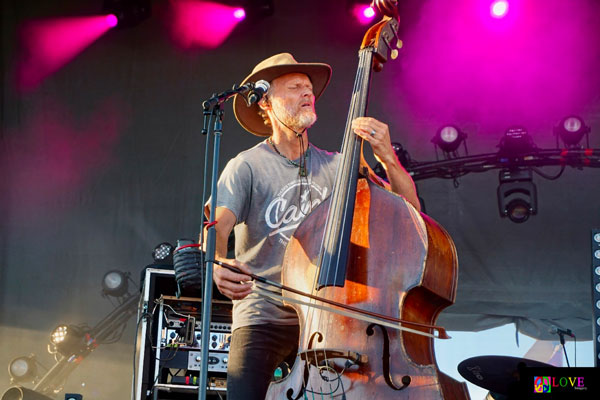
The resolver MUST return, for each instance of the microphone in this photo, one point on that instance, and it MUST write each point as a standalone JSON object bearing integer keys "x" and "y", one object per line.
{"x": 257, "y": 92}
{"x": 244, "y": 88}
{"x": 219, "y": 98}
{"x": 556, "y": 330}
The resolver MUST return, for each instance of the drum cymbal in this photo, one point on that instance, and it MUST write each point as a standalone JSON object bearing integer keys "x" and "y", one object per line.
{"x": 498, "y": 374}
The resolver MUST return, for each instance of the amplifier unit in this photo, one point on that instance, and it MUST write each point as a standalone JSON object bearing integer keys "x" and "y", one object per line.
{"x": 168, "y": 342}
{"x": 182, "y": 354}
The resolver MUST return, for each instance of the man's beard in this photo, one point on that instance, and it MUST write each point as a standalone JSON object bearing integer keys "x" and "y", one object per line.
{"x": 303, "y": 119}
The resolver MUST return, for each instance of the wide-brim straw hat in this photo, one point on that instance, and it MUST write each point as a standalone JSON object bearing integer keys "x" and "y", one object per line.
{"x": 269, "y": 69}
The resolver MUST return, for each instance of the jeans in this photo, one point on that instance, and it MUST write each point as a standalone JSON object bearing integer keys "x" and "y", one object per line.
{"x": 255, "y": 352}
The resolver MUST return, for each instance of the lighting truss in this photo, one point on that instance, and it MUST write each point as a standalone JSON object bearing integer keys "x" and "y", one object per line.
{"x": 457, "y": 167}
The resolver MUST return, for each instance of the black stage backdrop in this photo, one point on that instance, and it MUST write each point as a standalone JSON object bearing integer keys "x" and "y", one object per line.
{"x": 103, "y": 160}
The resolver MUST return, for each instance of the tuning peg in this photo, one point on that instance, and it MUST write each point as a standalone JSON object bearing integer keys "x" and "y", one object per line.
{"x": 393, "y": 49}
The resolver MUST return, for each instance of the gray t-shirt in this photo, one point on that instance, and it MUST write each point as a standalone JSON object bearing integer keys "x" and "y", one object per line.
{"x": 269, "y": 200}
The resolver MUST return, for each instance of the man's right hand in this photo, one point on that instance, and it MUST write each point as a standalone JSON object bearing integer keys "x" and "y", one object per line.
{"x": 234, "y": 285}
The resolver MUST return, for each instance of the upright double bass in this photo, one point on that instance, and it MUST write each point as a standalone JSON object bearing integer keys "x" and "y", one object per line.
{"x": 378, "y": 271}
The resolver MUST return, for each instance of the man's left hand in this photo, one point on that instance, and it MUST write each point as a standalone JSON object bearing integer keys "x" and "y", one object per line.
{"x": 378, "y": 135}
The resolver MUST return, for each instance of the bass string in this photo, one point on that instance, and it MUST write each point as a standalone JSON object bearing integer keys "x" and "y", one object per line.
{"x": 340, "y": 194}
{"x": 349, "y": 163}
{"x": 311, "y": 315}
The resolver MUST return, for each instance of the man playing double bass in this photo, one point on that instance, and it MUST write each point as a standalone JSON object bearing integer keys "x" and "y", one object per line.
{"x": 264, "y": 193}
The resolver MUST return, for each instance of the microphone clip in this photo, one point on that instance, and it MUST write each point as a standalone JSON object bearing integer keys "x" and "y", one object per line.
{"x": 258, "y": 90}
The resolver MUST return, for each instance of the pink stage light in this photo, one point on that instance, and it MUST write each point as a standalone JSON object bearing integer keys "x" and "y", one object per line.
{"x": 202, "y": 24}
{"x": 47, "y": 45}
{"x": 363, "y": 13}
{"x": 496, "y": 70}
{"x": 369, "y": 12}
{"x": 499, "y": 8}
{"x": 111, "y": 20}
{"x": 239, "y": 13}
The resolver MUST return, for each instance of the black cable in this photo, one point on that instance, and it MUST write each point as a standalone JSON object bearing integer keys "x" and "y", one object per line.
{"x": 110, "y": 299}
{"x": 170, "y": 357}
{"x": 550, "y": 178}
{"x": 304, "y": 176}
{"x": 115, "y": 336}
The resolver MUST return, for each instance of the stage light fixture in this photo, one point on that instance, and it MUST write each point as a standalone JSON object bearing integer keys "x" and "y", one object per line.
{"x": 571, "y": 130}
{"x": 163, "y": 253}
{"x": 361, "y": 10}
{"x": 516, "y": 142}
{"x": 128, "y": 13}
{"x": 115, "y": 283}
{"x": 68, "y": 339}
{"x": 23, "y": 369}
{"x": 369, "y": 12}
{"x": 499, "y": 8}
{"x": 239, "y": 13}
{"x": 449, "y": 138}
{"x": 112, "y": 20}
{"x": 517, "y": 194}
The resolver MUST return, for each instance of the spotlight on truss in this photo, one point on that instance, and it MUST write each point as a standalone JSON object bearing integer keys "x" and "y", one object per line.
{"x": 499, "y": 8}
{"x": 23, "y": 369}
{"x": 163, "y": 253}
{"x": 115, "y": 283}
{"x": 449, "y": 138}
{"x": 68, "y": 340}
{"x": 516, "y": 142}
{"x": 361, "y": 11}
{"x": 571, "y": 130}
{"x": 239, "y": 13}
{"x": 517, "y": 194}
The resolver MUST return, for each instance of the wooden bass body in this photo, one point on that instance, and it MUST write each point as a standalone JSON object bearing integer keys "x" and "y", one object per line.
{"x": 401, "y": 264}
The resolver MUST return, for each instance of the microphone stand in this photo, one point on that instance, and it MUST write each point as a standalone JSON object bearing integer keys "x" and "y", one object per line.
{"x": 211, "y": 108}
{"x": 561, "y": 334}
{"x": 562, "y": 343}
